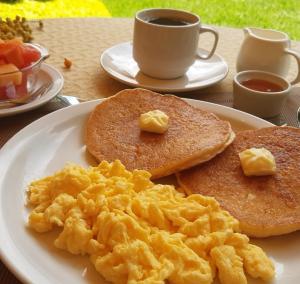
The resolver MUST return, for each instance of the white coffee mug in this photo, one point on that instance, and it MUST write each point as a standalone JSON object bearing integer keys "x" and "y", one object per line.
{"x": 165, "y": 41}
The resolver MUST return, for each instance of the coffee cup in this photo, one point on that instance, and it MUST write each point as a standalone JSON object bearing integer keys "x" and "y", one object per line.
{"x": 165, "y": 41}
{"x": 260, "y": 93}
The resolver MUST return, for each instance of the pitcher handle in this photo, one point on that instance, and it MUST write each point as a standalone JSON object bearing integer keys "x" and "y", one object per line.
{"x": 297, "y": 56}
{"x": 204, "y": 29}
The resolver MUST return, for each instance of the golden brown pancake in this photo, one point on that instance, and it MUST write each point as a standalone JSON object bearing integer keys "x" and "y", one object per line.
{"x": 265, "y": 206}
{"x": 193, "y": 136}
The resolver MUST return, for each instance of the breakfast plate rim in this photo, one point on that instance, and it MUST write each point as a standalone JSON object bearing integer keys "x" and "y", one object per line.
{"x": 115, "y": 74}
{"x": 9, "y": 252}
{"x": 55, "y": 76}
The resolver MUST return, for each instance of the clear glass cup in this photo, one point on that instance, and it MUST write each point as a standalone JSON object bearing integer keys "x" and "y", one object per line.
{"x": 12, "y": 89}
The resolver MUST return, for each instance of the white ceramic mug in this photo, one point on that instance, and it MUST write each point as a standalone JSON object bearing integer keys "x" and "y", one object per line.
{"x": 167, "y": 51}
{"x": 259, "y": 103}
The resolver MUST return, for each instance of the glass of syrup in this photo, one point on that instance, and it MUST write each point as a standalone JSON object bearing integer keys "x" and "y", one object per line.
{"x": 262, "y": 85}
{"x": 260, "y": 93}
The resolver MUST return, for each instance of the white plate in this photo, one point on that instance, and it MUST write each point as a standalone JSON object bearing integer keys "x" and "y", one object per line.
{"x": 47, "y": 74}
{"x": 44, "y": 147}
{"x": 118, "y": 62}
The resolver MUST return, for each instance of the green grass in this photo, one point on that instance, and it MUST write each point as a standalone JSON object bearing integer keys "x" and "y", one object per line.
{"x": 53, "y": 9}
{"x": 282, "y": 15}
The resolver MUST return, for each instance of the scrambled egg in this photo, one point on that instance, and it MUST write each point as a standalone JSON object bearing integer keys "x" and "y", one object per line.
{"x": 136, "y": 231}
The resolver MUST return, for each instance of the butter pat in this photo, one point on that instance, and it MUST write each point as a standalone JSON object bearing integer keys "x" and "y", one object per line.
{"x": 257, "y": 162}
{"x": 154, "y": 121}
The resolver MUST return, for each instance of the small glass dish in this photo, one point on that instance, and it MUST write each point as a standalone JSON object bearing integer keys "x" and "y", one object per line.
{"x": 19, "y": 85}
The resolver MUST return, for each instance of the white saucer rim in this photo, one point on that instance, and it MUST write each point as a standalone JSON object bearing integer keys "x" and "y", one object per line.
{"x": 160, "y": 89}
{"x": 50, "y": 94}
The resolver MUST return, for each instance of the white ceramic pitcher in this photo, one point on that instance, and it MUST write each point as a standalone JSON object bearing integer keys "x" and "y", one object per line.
{"x": 266, "y": 50}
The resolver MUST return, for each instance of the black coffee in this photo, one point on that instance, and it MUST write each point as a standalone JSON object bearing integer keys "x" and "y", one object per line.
{"x": 168, "y": 22}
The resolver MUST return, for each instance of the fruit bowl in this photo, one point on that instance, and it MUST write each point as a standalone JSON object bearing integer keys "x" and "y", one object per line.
{"x": 19, "y": 66}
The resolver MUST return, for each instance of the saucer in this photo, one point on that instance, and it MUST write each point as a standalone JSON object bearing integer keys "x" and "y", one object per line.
{"x": 118, "y": 62}
{"x": 47, "y": 74}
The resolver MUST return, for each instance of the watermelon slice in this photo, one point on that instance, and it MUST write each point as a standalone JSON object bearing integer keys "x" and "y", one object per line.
{"x": 11, "y": 52}
{"x": 4, "y": 45}
{"x": 15, "y": 56}
{"x": 14, "y": 52}
{"x": 30, "y": 55}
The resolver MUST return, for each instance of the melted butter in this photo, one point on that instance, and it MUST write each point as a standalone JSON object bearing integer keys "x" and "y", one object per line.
{"x": 154, "y": 121}
{"x": 257, "y": 162}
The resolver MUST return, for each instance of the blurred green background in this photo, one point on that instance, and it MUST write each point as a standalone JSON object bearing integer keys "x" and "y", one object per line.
{"x": 282, "y": 15}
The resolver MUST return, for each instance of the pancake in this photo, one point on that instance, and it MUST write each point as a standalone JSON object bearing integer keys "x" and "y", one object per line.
{"x": 266, "y": 205}
{"x": 194, "y": 135}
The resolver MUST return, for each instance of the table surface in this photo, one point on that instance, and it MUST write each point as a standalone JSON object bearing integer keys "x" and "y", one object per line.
{"x": 83, "y": 40}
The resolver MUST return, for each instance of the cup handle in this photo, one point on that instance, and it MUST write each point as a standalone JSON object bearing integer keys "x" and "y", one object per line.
{"x": 297, "y": 56}
{"x": 204, "y": 29}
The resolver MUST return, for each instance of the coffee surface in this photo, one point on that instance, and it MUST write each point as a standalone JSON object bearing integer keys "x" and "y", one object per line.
{"x": 168, "y": 22}
{"x": 262, "y": 85}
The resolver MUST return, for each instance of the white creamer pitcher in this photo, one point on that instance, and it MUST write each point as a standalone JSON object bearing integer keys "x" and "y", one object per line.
{"x": 266, "y": 50}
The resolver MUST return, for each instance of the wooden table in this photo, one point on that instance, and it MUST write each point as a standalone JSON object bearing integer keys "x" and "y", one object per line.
{"x": 83, "y": 40}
